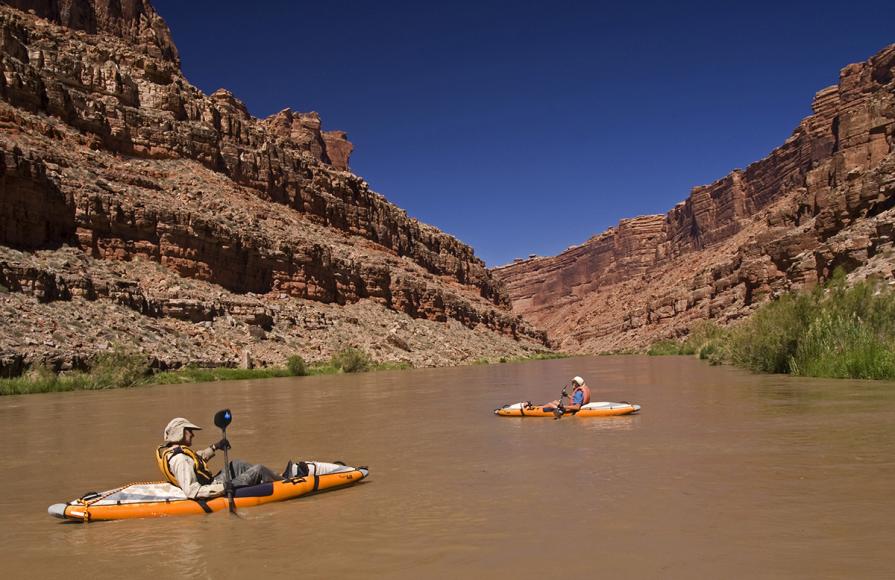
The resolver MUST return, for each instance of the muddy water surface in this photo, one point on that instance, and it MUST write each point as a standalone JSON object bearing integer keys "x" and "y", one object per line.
{"x": 723, "y": 474}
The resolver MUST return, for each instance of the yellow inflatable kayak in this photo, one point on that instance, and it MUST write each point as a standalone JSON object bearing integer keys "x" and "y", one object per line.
{"x": 601, "y": 409}
{"x": 160, "y": 499}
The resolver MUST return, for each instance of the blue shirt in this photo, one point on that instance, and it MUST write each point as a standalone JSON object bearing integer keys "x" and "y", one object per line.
{"x": 578, "y": 397}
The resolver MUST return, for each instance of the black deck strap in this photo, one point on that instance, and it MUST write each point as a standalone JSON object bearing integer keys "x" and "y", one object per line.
{"x": 204, "y": 505}
{"x": 316, "y": 481}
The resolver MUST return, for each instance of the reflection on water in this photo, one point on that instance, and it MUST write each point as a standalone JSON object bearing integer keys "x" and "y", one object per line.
{"x": 723, "y": 474}
{"x": 620, "y": 423}
{"x": 610, "y": 423}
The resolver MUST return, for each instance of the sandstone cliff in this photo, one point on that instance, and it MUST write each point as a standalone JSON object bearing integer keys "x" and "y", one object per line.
{"x": 823, "y": 199}
{"x": 110, "y": 161}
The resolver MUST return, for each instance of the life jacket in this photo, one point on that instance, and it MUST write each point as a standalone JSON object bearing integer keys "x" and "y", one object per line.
{"x": 585, "y": 390}
{"x": 163, "y": 455}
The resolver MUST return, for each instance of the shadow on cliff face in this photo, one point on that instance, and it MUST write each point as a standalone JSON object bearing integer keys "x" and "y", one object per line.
{"x": 34, "y": 213}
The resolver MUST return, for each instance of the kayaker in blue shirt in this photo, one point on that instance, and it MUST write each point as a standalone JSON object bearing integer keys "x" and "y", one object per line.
{"x": 580, "y": 395}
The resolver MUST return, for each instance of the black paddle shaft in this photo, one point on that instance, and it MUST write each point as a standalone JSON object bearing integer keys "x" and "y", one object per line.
{"x": 222, "y": 419}
{"x": 560, "y": 409}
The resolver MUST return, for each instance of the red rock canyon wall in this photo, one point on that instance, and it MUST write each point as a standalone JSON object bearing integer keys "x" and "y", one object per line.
{"x": 106, "y": 148}
{"x": 822, "y": 199}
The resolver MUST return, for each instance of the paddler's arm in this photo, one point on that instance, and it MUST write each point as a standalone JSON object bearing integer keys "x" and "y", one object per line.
{"x": 206, "y": 453}
{"x": 182, "y": 468}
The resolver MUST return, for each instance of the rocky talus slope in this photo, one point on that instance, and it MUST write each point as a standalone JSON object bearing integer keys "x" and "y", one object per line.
{"x": 136, "y": 210}
{"x": 823, "y": 199}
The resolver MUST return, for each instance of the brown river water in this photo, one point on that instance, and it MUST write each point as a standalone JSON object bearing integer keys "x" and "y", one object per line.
{"x": 723, "y": 474}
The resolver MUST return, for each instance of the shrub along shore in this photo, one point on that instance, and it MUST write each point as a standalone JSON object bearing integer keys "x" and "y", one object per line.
{"x": 119, "y": 369}
{"x": 836, "y": 331}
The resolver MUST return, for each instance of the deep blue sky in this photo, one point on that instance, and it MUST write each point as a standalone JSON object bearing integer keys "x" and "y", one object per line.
{"x": 525, "y": 127}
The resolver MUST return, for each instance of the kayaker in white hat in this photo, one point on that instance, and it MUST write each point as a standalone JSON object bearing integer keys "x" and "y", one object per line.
{"x": 188, "y": 469}
{"x": 580, "y": 395}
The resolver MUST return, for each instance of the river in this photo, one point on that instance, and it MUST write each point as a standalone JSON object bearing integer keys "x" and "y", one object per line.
{"x": 723, "y": 474}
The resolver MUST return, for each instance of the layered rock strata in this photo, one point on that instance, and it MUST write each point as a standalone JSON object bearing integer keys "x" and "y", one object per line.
{"x": 62, "y": 307}
{"x": 108, "y": 152}
{"x": 823, "y": 199}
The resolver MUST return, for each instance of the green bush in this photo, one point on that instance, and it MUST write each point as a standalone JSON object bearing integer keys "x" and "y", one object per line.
{"x": 703, "y": 333}
{"x": 39, "y": 379}
{"x": 715, "y": 351}
{"x": 41, "y": 374}
{"x": 110, "y": 370}
{"x": 118, "y": 368}
{"x": 768, "y": 340}
{"x": 297, "y": 366}
{"x": 664, "y": 348}
{"x": 122, "y": 369}
{"x": 394, "y": 366}
{"x": 708, "y": 350}
{"x": 842, "y": 345}
{"x": 837, "y": 332}
{"x": 686, "y": 348}
{"x": 352, "y": 360}
{"x": 193, "y": 374}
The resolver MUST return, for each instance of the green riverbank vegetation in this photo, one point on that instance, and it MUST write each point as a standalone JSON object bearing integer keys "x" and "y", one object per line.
{"x": 120, "y": 368}
{"x": 836, "y": 331}
{"x": 524, "y": 358}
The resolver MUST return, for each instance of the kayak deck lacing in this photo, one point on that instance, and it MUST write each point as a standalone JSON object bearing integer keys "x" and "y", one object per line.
{"x": 105, "y": 494}
{"x": 86, "y": 503}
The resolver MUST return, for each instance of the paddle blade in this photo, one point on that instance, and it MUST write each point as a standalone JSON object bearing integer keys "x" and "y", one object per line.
{"x": 230, "y": 500}
{"x": 222, "y": 418}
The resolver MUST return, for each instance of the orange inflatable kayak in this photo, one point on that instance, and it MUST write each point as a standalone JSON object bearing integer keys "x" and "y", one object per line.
{"x": 601, "y": 409}
{"x": 160, "y": 499}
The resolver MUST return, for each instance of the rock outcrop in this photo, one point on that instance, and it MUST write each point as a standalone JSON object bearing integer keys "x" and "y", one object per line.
{"x": 135, "y": 21}
{"x": 108, "y": 153}
{"x": 823, "y": 199}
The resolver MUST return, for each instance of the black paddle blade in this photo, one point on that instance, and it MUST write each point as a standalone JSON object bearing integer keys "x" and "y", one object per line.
{"x": 231, "y": 502}
{"x": 222, "y": 419}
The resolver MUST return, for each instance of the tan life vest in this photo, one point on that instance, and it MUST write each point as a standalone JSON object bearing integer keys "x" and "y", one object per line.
{"x": 163, "y": 455}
